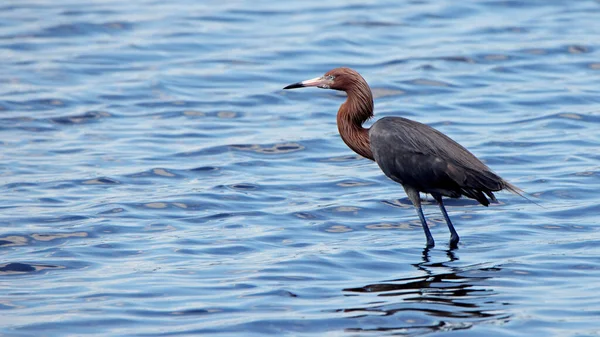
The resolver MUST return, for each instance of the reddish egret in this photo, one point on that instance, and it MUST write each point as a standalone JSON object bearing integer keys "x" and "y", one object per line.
{"x": 415, "y": 155}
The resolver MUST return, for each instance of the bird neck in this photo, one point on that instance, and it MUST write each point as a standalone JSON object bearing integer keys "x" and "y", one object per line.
{"x": 357, "y": 109}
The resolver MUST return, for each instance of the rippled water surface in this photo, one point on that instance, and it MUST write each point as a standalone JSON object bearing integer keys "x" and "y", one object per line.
{"x": 155, "y": 179}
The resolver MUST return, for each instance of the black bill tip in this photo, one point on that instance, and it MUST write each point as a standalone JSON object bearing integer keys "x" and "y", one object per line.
{"x": 294, "y": 86}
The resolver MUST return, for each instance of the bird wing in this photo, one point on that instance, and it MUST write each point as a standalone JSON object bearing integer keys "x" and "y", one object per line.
{"x": 418, "y": 155}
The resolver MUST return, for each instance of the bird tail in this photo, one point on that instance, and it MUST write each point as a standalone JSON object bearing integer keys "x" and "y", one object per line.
{"x": 514, "y": 189}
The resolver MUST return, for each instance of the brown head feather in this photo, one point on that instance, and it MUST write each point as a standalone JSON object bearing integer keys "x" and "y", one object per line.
{"x": 357, "y": 109}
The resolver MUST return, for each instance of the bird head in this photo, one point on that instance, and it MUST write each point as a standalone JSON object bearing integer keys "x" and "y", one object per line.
{"x": 337, "y": 79}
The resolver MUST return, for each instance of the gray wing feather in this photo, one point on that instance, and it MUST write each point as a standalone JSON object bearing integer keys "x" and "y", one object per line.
{"x": 419, "y": 156}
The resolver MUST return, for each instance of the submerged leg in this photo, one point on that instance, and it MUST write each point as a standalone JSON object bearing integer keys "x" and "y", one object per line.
{"x": 413, "y": 195}
{"x": 453, "y": 235}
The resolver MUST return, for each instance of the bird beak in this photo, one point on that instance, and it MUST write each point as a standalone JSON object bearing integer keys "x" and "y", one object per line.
{"x": 320, "y": 82}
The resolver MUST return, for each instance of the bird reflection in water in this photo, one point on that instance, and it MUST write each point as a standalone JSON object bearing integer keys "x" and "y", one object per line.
{"x": 445, "y": 298}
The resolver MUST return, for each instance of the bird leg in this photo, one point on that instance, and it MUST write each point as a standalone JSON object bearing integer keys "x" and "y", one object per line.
{"x": 453, "y": 234}
{"x": 413, "y": 195}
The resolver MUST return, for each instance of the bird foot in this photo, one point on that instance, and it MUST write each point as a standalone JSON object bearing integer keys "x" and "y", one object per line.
{"x": 454, "y": 241}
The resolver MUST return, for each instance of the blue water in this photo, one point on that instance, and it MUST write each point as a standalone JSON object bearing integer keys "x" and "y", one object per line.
{"x": 156, "y": 181}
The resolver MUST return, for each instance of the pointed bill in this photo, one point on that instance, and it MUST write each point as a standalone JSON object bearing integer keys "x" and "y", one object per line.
{"x": 315, "y": 82}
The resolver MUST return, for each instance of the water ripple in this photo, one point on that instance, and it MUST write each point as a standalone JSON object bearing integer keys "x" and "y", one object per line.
{"x": 157, "y": 180}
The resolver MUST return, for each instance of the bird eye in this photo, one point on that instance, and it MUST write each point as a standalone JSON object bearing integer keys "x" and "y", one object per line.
{"x": 330, "y": 77}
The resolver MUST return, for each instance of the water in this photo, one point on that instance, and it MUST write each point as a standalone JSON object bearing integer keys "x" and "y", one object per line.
{"x": 157, "y": 181}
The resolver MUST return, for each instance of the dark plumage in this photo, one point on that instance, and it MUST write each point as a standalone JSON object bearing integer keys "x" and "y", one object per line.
{"x": 413, "y": 154}
{"x": 425, "y": 159}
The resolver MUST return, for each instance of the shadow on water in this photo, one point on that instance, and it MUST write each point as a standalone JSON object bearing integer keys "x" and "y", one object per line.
{"x": 445, "y": 298}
